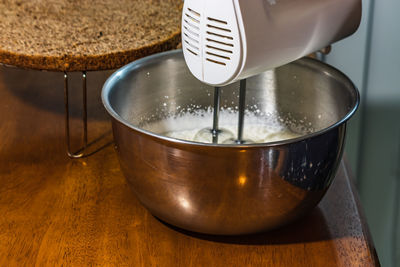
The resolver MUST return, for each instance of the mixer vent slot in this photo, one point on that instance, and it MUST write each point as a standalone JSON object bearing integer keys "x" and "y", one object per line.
{"x": 216, "y": 55}
{"x": 218, "y": 28}
{"x": 191, "y": 31}
{"x": 220, "y": 35}
{"x": 197, "y": 14}
{"x": 219, "y": 49}
{"x": 216, "y": 62}
{"x": 217, "y": 20}
{"x": 219, "y": 46}
{"x": 219, "y": 42}
{"x": 194, "y": 53}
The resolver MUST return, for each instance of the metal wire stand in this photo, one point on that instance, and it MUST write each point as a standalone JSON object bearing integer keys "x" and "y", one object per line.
{"x": 80, "y": 152}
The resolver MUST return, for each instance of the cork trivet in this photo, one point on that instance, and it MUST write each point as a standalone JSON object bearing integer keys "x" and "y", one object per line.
{"x": 79, "y": 35}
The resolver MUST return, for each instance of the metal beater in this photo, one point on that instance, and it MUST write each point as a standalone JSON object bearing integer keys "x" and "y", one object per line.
{"x": 241, "y": 112}
{"x": 230, "y": 40}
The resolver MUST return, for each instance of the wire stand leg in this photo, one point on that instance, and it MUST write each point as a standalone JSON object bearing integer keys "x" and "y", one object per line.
{"x": 81, "y": 152}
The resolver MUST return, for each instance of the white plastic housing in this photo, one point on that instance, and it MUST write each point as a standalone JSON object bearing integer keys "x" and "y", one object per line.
{"x": 227, "y": 40}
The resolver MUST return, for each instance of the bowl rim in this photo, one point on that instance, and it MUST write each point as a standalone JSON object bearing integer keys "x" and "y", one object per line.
{"x": 327, "y": 69}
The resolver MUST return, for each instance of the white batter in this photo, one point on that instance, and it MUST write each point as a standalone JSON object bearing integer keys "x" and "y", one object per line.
{"x": 196, "y": 127}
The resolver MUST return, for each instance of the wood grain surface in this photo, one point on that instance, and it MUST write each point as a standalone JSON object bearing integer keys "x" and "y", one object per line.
{"x": 60, "y": 212}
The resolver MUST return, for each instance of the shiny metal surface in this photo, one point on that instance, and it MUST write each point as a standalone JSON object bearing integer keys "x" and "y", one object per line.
{"x": 229, "y": 189}
{"x": 80, "y": 153}
{"x": 241, "y": 111}
{"x": 216, "y": 109}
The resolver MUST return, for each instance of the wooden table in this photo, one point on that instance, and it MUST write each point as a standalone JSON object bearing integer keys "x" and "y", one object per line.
{"x": 56, "y": 211}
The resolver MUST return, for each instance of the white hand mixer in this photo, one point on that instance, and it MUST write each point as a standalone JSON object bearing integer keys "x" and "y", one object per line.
{"x": 225, "y": 41}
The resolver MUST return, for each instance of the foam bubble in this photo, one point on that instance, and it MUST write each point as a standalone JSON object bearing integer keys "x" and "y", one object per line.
{"x": 260, "y": 128}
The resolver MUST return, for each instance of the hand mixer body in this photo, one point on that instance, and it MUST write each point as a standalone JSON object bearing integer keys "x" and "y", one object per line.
{"x": 228, "y": 40}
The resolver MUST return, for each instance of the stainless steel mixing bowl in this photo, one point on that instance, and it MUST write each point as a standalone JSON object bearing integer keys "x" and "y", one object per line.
{"x": 229, "y": 189}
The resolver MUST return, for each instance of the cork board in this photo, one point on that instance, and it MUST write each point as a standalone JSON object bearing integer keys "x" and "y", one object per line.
{"x": 62, "y": 35}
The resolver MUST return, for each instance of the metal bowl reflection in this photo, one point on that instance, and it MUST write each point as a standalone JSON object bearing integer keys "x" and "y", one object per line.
{"x": 229, "y": 189}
